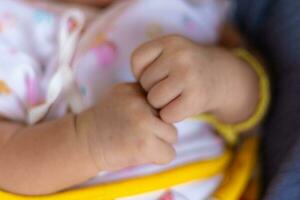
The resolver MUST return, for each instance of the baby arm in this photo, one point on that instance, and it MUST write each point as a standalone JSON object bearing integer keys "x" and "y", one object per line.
{"x": 120, "y": 131}
{"x": 44, "y": 158}
{"x": 184, "y": 79}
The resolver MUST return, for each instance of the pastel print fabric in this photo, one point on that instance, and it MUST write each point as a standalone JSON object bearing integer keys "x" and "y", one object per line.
{"x": 29, "y": 58}
{"x": 29, "y": 47}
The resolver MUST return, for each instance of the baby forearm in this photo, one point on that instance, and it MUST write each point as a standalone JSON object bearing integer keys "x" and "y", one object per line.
{"x": 45, "y": 158}
{"x": 239, "y": 98}
{"x": 239, "y": 93}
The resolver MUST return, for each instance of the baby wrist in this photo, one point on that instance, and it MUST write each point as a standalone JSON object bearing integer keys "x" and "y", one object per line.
{"x": 230, "y": 131}
{"x": 85, "y": 128}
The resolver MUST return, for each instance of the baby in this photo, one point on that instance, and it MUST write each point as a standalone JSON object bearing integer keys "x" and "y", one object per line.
{"x": 111, "y": 95}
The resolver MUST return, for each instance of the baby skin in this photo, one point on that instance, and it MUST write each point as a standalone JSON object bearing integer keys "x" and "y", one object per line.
{"x": 132, "y": 124}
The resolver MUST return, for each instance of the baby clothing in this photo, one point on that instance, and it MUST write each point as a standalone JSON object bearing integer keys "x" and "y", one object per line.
{"x": 52, "y": 63}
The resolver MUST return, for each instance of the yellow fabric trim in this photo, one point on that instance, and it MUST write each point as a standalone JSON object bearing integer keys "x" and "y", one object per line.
{"x": 239, "y": 173}
{"x": 196, "y": 171}
{"x": 253, "y": 189}
{"x": 230, "y": 131}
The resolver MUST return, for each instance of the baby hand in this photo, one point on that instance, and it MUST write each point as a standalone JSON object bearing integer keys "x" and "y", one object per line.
{"x": 126, "y": 131}
{"x": 184, "y": 79}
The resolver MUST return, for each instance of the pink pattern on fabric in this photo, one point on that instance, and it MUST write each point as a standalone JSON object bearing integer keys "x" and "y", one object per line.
{"x": 189, "y": 23}
{"x": 13, "y": 51}
{"x": 172, "y": 195}
{"x": 7, "y": 20}
{"x": 32, "y": 91}
{"x": 106, "y": 53}
{"x": 72, "y": 24}
{"x": 4, "y": 88}
{"x": 167, "y": 196}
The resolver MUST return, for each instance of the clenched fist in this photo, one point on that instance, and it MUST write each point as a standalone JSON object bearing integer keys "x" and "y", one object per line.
{"x": 184, "y": 79}
{"x": 123, "y": 130}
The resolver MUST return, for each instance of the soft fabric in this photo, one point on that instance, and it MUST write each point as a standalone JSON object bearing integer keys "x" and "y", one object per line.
{"x": 47, "y": 68}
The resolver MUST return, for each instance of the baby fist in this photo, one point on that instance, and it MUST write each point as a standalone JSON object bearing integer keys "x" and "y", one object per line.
{"x": 178, "y": 75}
{"x": 127, "y": 131}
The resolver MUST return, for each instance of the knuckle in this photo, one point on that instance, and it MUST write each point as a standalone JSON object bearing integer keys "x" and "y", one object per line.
{"x": 136, "y": 61}
{"x": 173, "y": 135}
{"x": 153, "y": 99}
{"x": 145, "y": 83}
{"x": 149, "y": 150}
{"x": 184, "y": 74}
{"x": 167, "y": 157}
{"x": 166, "y": 117}
{"x": 183, "y": 56}
{"x": 141, "y": 121}
{"x": 135, "y": 57}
